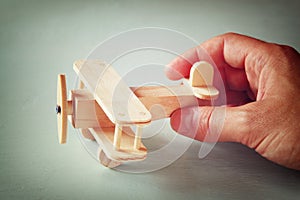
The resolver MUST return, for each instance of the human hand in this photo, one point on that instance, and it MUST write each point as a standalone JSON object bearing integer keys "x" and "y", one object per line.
{"x": 262, "y": 85}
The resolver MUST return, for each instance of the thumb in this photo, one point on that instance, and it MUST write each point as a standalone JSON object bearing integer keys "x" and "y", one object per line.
{"x": 211, "y": 124}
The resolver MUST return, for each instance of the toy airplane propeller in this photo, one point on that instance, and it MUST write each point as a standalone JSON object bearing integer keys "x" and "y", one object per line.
{"x": 104, "y": 108}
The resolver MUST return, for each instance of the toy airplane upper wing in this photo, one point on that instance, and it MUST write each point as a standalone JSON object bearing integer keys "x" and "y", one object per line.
{"x": 116, "y": 99}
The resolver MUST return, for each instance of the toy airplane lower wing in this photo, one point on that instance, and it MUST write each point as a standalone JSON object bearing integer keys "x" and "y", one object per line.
{"x": 106, "y": 107}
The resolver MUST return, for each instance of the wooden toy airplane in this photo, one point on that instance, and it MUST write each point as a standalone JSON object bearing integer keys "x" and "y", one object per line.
{"x": 104, "y": 107}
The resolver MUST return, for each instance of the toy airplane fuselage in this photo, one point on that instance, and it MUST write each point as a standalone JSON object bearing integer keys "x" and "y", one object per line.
{"x": 104, "y": 107}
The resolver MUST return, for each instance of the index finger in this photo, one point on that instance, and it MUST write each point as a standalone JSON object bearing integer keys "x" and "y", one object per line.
{"x": 227, "y": 50}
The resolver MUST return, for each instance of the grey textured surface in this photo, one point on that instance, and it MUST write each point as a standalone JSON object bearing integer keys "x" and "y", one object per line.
{"x": 40, "y": 39}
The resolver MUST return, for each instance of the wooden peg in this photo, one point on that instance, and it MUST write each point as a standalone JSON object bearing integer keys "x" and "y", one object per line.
{"x": 137, "y": 138}
{"x": 105, "y": 138}
{"x": 117, "y": 137}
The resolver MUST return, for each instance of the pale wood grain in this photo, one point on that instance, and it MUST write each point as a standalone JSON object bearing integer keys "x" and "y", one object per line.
{"x": 111, "y": 92}
{"x": 126, "y": 152}
{"x": 87, "y": 112}
{"x": 201, "y": 80}
{"x": 62, "y": 108}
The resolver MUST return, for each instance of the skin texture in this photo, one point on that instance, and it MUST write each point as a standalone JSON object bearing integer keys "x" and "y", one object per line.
{"x": 262, "y": 84}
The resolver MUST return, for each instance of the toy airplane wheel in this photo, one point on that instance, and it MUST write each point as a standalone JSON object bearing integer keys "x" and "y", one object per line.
{"x": 61, "y": 108}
